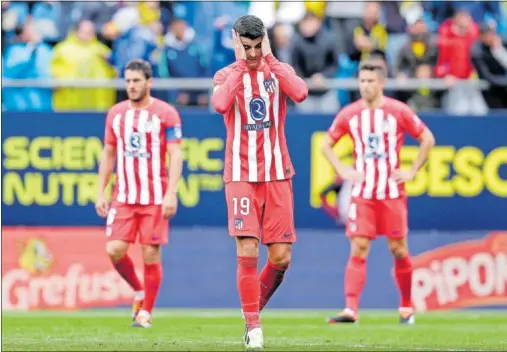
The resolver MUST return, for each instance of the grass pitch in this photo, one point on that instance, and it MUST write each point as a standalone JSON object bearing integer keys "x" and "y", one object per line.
{"x": 222, "y": 330}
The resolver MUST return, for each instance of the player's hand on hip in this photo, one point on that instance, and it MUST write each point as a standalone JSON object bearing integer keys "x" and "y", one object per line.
{"x": 239, "y": 50}
{"x": 169, "y": 205}
{"x": 402, "y": 176}
{"x": 102, "y": 206}
{"x": 265, "y": 46}
{"x": 351, "y": 174}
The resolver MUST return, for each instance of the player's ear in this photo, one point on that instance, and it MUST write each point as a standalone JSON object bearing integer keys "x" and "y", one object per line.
{"x": 150, "y": 82}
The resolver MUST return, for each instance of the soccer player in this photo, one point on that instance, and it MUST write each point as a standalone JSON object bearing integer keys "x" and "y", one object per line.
{"x": 378, "y": 204}
{"x": 139, "y": 133}
{"x": 251, "y": 93}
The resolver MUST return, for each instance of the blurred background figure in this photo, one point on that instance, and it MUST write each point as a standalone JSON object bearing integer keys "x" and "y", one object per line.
{"x": 82, "y": 56}
{"x": 371, "y": 35}
{"x": 184, "y": 57}
{"x": 314, "y": 57}
{"x": 489, "y": 56}
{"x": 27, "y": 57}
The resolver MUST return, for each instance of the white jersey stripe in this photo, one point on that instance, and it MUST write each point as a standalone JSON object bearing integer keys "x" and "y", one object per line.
{"x": 371, "y": 148}
{"x": 393, "y": 155}
{"x": 143, "y": 162}
{"x": 381, "y": 163}
{"x": 156, "y": 163}
{"x": 120, "y": 169}
{"x": 236, "y": 143}
{"x": 276, "y": 150}
{"x": 252, "y": 135}
{"x": 129, "y": 159}
{"x": 267, "y": 141}
{"x": 358, "y": 144}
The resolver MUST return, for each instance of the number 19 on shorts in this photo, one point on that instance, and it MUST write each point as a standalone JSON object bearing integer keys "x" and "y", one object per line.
{"x": 241, "y": 206}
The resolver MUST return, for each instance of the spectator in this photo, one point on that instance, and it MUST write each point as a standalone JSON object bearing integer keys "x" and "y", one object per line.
{"x": 314, "y": 57}
{"x": 53, "y": 19}
{"x": 343, "y": 21}
{"x": 27, "y": 57}
{"x": 417, "y": 59}
{"x": 133, "y": 40}
{"x": 456, "y": 37}
{"x": 489, "y": 57}
{"x": 82, "y": 56}
{"x": 280, "y": 39}
{"x": 370, "y": 36}
{"x": 185, "y": 58}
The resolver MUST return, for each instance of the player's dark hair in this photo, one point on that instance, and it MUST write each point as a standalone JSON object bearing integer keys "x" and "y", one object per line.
{"x": 141, "y": 66}
{"x": 374, "y": 65}
{"x": 249, "y": 26}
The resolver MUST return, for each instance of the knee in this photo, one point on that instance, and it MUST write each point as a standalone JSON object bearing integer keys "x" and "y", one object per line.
{"x": 360, "y": 247}
{"x": 398, "y": 250}
{"x": 151, "y": 254}
{"x": 280, "y": 255}
{"x": 247, "y": 247}
{"x": 116, "y": 250}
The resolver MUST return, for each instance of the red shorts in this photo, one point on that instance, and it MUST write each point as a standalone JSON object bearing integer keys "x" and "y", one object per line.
{"x": 126, "y": 221}
{"x": 266, "y": 208}
{"x": 371, "y": 217}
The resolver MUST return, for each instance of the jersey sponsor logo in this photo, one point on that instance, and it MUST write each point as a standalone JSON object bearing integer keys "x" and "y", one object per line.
{"x": 258, "y": 109}
{"x": 136, "y": 143}
{"x": 373, "y": 145}
{"x": 460, "y": 275}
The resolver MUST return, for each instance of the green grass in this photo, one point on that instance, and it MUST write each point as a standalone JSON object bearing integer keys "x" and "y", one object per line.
{"x": 221, "y": 330}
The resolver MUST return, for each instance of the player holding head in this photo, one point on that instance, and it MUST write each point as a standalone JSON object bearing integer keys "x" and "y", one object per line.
{"x": 139, "y": 133}
{"x": 251, "y": 94}
{"x": 378, "y": 204}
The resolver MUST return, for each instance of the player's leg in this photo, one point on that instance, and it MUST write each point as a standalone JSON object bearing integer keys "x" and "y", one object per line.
{"x": 361, "y": 229}
{"x": 244, "y": 215}
{"x": 153, "y": 231}
{"x": 122, "y": 225}
{"x": 278, "y": 233}
{"x": 394, "y": 224}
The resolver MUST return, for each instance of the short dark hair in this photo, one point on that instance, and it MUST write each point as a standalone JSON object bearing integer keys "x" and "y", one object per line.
{"x": 373, "y": 64}
{"x": 140, "y": 65}
{"x": 249, "y": 26}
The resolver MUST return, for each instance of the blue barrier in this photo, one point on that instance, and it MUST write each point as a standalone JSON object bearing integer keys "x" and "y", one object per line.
{"x": 50, "y": 162}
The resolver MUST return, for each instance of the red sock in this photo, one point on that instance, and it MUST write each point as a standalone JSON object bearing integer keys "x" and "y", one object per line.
{"x": 125, "y": 267}
{"x": 355, "y": 278}
{"x": 271, "y": 277}
{"x": 403, "y": 274}
{"x": 152, "y": 281}
{"x": 249, "y": 290}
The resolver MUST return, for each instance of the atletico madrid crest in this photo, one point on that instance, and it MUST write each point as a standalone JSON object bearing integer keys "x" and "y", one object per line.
{"x": 238, "y": 224}
{"x": 270, "y": 85}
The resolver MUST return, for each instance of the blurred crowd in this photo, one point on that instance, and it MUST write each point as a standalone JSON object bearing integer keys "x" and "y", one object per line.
{"x": 459, "y": 40}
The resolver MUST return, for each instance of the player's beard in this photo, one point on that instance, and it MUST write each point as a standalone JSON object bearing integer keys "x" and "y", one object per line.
{"x": 140, "y": 97}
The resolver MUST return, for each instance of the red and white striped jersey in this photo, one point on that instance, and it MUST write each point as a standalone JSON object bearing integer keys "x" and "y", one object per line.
{"x": 256, "y": 148}
{"x": 140, "y": 137}
{"x": 378, "y": 135}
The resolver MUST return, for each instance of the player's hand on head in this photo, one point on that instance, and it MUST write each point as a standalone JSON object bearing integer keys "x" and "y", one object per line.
{"x": 102, "y": 206}
{"x": 401, "y": 176}
{"x": 169, "y": 205}
{"x": 351, "y": 174}
{"x": 239, "y": 50}
{"x": 265, "y": 46}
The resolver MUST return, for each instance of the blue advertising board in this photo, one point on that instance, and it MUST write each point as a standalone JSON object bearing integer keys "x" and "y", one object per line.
{"x": 50, "y": 160}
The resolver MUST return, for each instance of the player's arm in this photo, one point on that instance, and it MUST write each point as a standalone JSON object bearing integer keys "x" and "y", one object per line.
{"x": 226, "y": 85}
{"x": 290, "y": 83}
{"x": 106, "y": 167}
{"x": 419, "y": 131}
{"x": 338, "y": 129}
{"x": 173, "y": 137}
